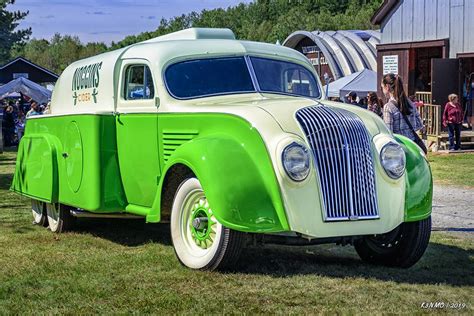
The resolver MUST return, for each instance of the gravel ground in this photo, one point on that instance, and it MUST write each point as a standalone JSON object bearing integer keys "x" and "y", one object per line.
{"x": 453, "y": 209}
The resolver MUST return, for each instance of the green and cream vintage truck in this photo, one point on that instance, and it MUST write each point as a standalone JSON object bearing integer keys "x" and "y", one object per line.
{"x": 226, "y": 141}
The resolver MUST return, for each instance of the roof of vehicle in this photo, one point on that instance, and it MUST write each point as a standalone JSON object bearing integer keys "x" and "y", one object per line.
{"x": 194, "y": 42}
{"x": 187, "y": 44}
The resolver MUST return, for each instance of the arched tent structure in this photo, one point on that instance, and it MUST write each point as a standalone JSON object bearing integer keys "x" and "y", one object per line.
{"x": 338, "y": 53}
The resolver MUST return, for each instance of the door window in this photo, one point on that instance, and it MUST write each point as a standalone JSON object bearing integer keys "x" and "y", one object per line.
{"x": 138, "y": 83}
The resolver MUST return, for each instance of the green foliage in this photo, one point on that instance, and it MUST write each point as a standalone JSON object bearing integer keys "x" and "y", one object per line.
{"x": 262, "y": 20}
{"x": 272, "y": 20}
{"x": 59, "y": 52}
{"x": 9, "y": 36}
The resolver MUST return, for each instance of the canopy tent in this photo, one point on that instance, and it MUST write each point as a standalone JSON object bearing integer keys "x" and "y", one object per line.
{"x": 11, "y": 95}
{"x": 360, "y": 82}
{"x": 27, "y": 87}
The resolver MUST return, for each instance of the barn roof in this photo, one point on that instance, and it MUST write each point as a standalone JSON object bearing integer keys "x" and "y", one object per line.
{"x": 383, "y": 11}
{"x": 18, "y": 59}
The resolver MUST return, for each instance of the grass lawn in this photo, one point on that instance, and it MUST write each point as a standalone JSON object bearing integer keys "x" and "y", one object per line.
{"x": 457, "y": 169}
{"x": 119, "y": 266}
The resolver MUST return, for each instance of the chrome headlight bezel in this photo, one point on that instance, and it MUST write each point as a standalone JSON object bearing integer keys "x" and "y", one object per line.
{"x": 393, "y": 160}
{"x": 296, "y": 170}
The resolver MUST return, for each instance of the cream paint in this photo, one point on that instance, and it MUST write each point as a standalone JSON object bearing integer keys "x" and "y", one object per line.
{"x": 272, "y": 115}
{"x": 302, "y": 200}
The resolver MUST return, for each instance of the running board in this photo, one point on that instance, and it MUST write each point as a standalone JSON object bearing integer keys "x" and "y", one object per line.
{"x": 84, "y": 214}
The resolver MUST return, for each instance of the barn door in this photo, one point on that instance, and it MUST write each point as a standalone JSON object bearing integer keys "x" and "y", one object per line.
{"x": 444, "y": 79}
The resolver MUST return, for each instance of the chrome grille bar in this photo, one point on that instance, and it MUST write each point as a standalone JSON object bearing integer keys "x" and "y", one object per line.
{"x": 341, "y": 148}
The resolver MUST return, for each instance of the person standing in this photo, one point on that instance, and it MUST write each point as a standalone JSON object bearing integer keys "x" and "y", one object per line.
{"x": 352, "y": 99}
{"x": 374, "y": 103}
{"x": 8, "y": 126}
{"x": 20, "y": 125}
{"x": 35, "y": 110}
{"x": 399, "y": 113}
{"x": 452, "y": 119}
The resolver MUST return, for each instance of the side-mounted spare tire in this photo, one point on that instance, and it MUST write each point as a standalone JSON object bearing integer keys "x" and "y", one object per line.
{"x": 199, "y": 240}
{"x": 402, "y": 247}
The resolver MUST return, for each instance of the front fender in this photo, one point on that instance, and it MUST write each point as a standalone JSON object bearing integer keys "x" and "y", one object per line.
{"x": 419, "y": 182}
{"x": 238, "y": 180}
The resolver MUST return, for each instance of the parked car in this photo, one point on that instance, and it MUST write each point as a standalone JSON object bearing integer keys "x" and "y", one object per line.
{"x": 226, "y": 140}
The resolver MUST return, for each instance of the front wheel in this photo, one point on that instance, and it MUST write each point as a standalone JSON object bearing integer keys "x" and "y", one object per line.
{"x": 199, "y": 240}
{"x": 402, "y": 247}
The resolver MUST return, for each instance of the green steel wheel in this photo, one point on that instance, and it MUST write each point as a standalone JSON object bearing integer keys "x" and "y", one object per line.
{"x": 38, "y": 209}
{"x": 59, "y": 217}
{"x": 199, "y": 240}
{"x": 402, "y": 247}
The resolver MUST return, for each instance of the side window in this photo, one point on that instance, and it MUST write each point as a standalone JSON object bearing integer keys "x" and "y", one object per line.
{"x": 138, "y": 83}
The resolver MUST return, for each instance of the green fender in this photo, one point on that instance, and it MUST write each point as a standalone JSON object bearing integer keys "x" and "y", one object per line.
{"x": 36, "y": 172}
{"x": 419, "y": 182}
{"x": 239, "y": 182}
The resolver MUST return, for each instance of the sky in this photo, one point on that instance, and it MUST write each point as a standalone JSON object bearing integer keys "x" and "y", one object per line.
{"x": 105, "y": 20}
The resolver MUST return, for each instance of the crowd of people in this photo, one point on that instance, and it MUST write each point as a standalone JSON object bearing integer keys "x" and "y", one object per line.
{"x": 15, "y": 114}
{"x": 400, "y": 112}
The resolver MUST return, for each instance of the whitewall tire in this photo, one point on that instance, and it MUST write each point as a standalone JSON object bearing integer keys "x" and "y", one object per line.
{"x": 199, "y": 240}
{"x": 38, "y": 209}
{"x": 59, "y": 218}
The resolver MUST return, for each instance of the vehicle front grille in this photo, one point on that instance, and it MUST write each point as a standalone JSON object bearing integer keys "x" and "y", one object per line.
{"x": 342, "y": 154}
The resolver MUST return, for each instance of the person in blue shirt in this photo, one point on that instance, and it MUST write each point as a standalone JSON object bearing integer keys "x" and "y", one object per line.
{"x": 35, "y": 110}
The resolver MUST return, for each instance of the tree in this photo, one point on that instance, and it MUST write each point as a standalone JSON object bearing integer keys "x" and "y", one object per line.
{"x": 261, "y": 20}
{"x": 9, "y": 37}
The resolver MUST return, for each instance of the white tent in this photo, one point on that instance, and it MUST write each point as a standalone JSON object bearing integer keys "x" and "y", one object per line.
{"x": 27, "y": 87}
{"x": 360, "y": 82}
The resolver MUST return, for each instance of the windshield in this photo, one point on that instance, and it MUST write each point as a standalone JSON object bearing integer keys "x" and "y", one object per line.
{"x": 284, "y": 77}
{"x": 214, "y": 76}
{"x": 205, "y": 77}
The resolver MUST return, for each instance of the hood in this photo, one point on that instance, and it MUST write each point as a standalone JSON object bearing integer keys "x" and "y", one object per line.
{"x": 283, "y": 109}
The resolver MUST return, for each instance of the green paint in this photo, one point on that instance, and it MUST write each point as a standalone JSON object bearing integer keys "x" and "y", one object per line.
{"x": 36, "y": 172}
{"x": 138, "y": 156}
{"x": 44, "y": 170}
{"x": 122, "y": 158}
{"x": 105, "y": 163}
{"x": 203, "y": 235}
{"x": 419, "y": 182}
{"x": 74, "y": 163}
{"x": 230, "y": 159}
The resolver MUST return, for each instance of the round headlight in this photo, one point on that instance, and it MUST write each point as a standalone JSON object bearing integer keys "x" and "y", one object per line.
{"x": 392, "y": 158}
{"x": 295, "y": 160}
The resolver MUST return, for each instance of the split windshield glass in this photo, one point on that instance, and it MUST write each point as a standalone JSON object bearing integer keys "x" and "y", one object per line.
{"x": 284, "y": 77}
{"x": 204, "y": 77}
{"x": 216, "y": 76}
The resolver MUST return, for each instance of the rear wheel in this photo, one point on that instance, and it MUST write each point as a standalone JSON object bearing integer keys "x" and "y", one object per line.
{"x": 38, "y": 209}
{"x": 199, "y": 240}
{"x": 402, "y": 247}
{"x": 59, "y": 217}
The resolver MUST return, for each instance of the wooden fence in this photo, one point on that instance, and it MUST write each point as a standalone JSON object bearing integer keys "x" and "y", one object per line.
{"x": 430, "y": 114}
